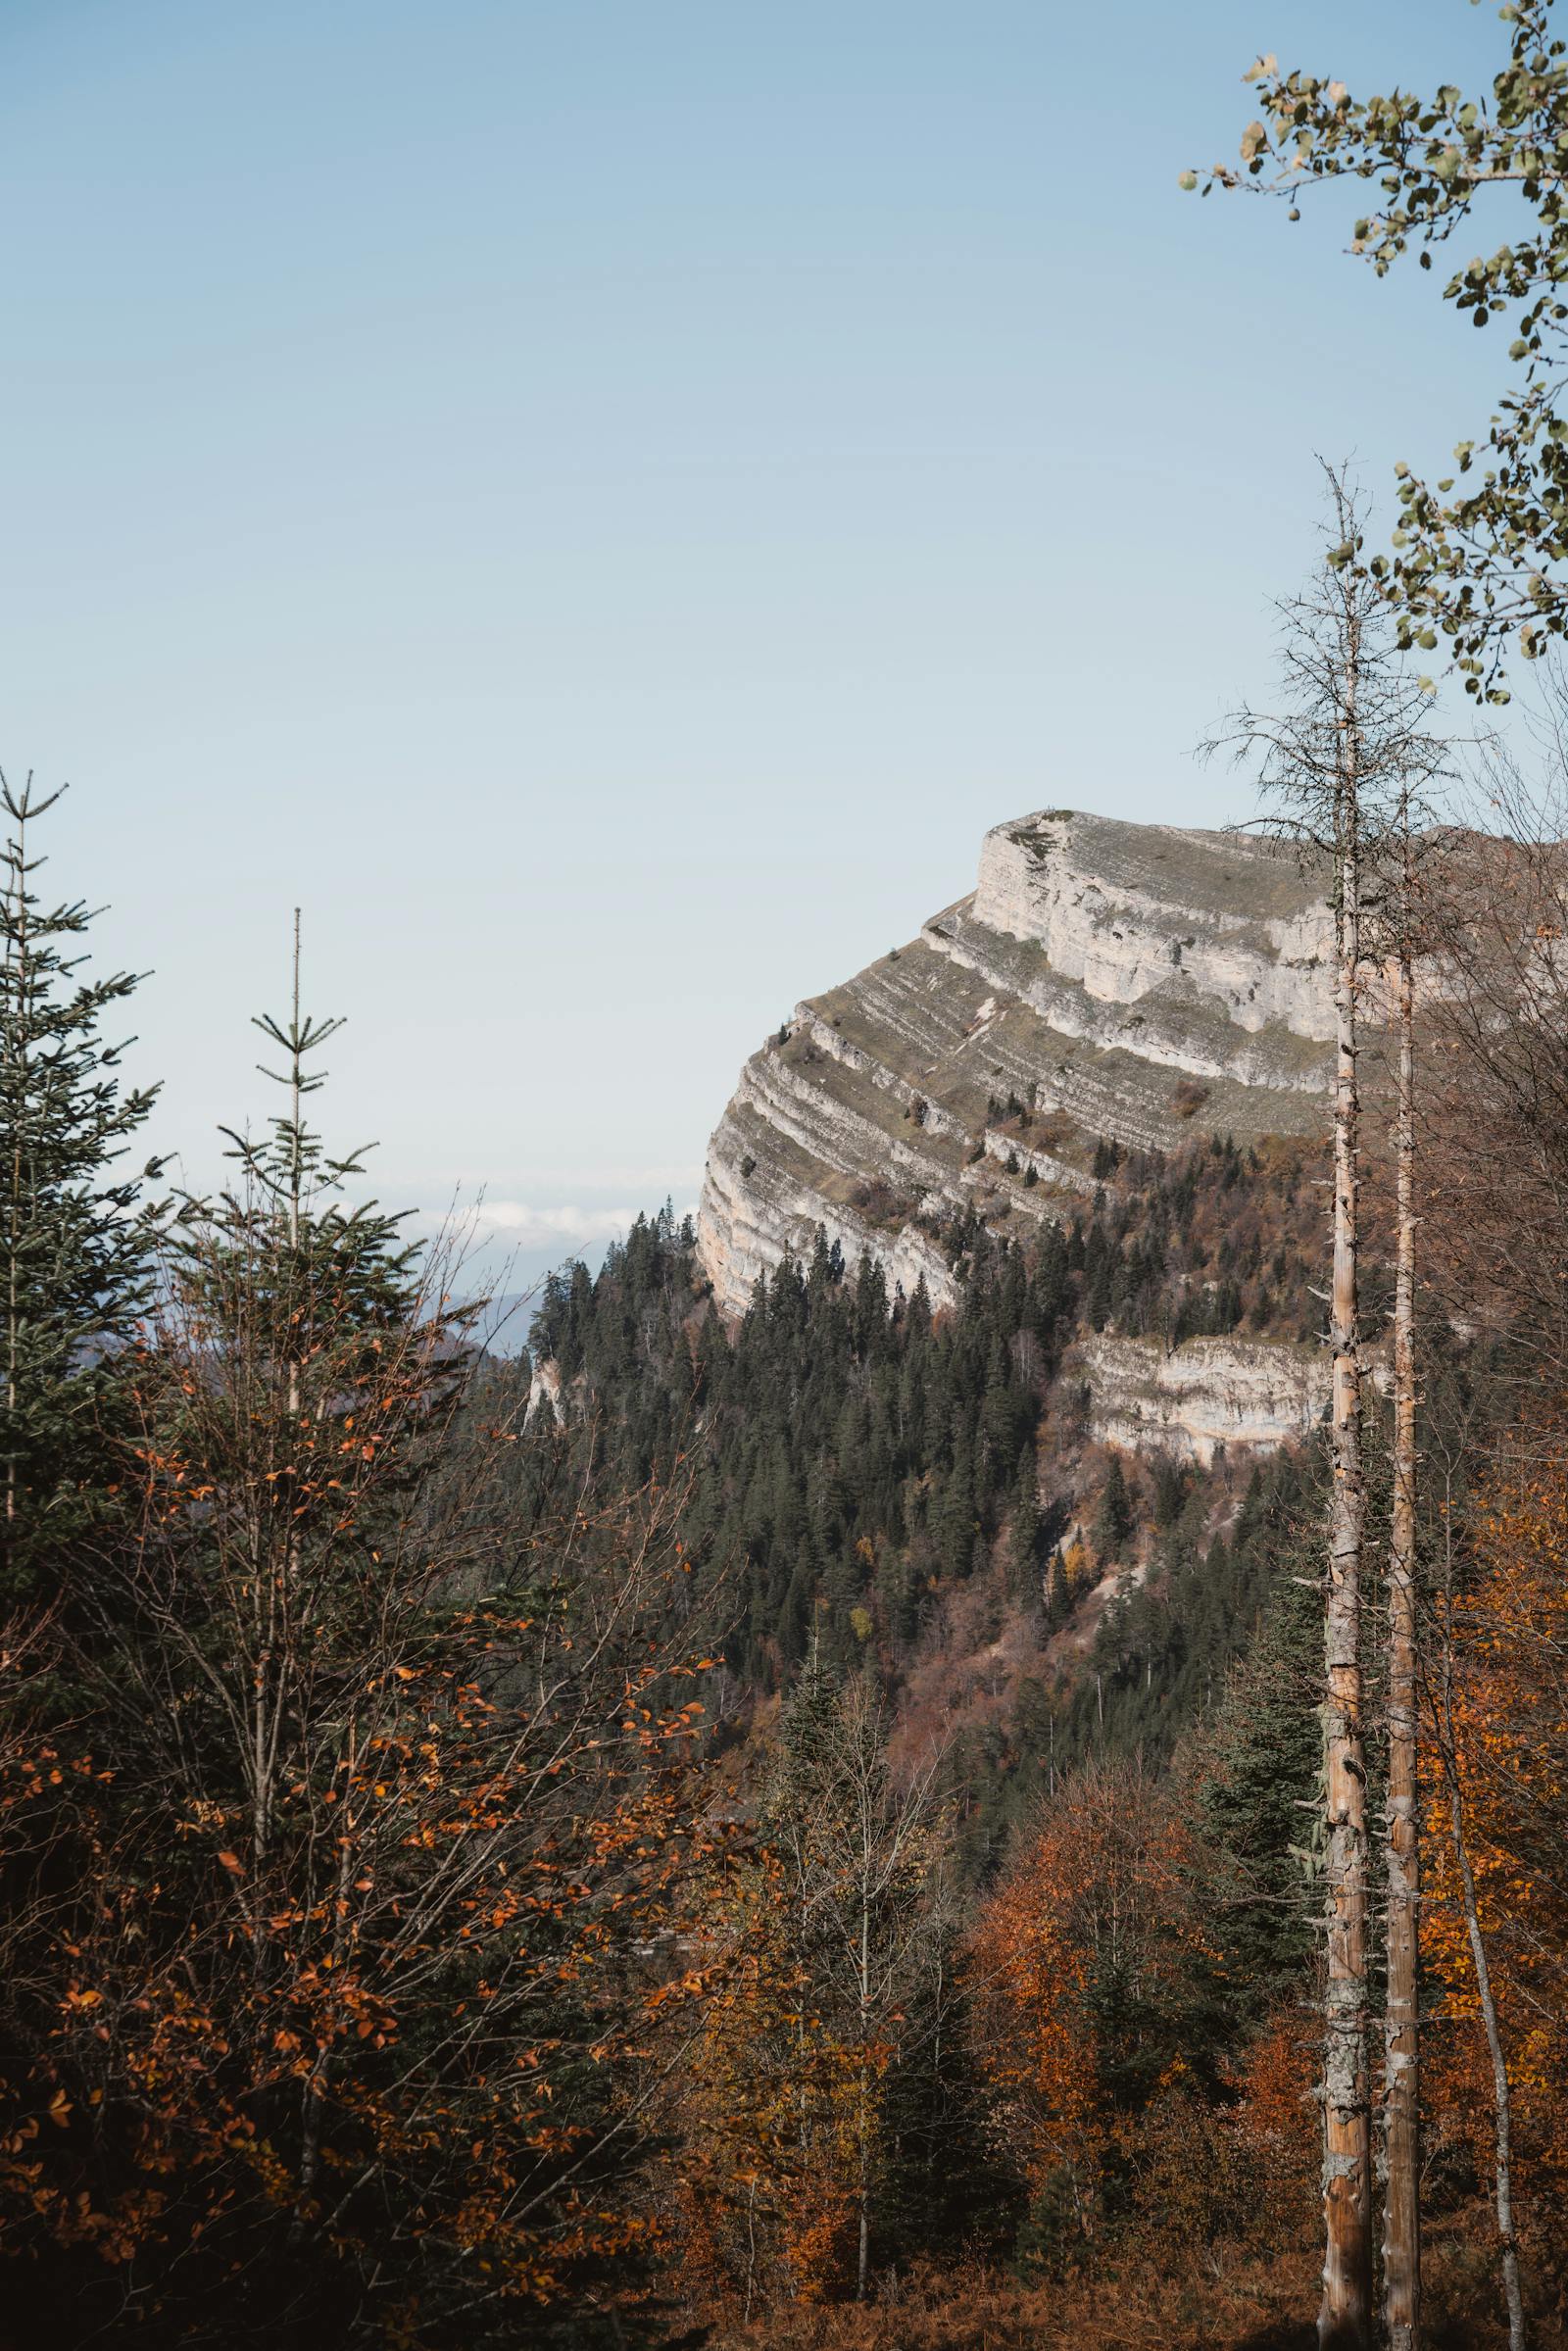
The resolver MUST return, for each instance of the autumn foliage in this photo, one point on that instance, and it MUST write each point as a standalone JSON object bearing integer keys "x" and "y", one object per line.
{"x": 1134, "y": 2116}
{"x": 426, "y": 1923}
{"x": 1500, "y": 1743}
{"x": 341, "y": 1812}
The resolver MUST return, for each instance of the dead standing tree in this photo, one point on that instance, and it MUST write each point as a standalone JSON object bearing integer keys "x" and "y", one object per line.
{"x": 1345, "y": 754}
{"x": 1402, "y": 2034}
{"x": 1404, "y": 928}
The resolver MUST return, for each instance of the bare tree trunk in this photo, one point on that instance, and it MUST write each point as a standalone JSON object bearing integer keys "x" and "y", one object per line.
{"x": 1345, "y": 764}
{"x": 1501, "y": 2090}
{"x": 1345, "y": 2315}
{"x": 1503, "y": 2096}
{"x": 1401, "y": 2216}
{"x": 862, "y": 2265}
{"x": 14, "y": 1234}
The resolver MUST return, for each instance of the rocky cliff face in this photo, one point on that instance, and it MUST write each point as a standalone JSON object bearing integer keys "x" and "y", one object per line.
{"x": 1163, "y": 919}
{"x": 1142, "y": 983}
{"x": 1190, "y": 1401}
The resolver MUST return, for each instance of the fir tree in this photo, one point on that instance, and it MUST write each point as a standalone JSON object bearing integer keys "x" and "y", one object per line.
{"x": 75, "y": 1240}
{"x": 1024, "y": 1544}
{"x": 1255, "y": 1793}
{"x": 1113, "y": 1523}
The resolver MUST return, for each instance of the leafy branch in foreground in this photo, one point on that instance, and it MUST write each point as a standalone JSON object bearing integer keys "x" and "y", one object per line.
{"x": 1480, "y": 564}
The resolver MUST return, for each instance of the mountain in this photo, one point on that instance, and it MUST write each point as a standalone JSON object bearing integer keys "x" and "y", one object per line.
{"x": 986, "y": 1365}
{"x": 1104, "y": 984}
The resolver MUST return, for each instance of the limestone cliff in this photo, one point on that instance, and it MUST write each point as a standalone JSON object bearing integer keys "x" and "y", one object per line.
{"x": 1142, "y": 983}
{"x": 1190, "y": 1401}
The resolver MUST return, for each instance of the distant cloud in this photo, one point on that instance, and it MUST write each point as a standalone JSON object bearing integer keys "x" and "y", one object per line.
{"x": 568, "y": 1227}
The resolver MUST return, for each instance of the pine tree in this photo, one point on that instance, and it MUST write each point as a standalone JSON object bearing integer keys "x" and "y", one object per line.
{"x": 859, "y": 1853}
{"x": 947, "y": 2186}
{"x": 320, "y": 1833}
{"x": 959, "y": 1520}
{"x": 73, "y": 1239}
{"x": 1256, "y": 1784}
{"x": 1113, "y": 1523}
{"x": 301, "y": 1306}
{"x": 1024, "y": 1542}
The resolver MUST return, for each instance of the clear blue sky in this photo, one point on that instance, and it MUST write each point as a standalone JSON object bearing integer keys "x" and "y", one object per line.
{"x": 603, "y": 504}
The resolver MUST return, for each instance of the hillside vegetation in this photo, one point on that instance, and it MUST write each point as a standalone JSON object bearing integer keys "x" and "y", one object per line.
{"x": 763, "y": 1829}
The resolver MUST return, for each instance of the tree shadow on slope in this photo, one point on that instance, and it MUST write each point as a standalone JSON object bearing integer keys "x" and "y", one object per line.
{"x": 1282, "y": 2335}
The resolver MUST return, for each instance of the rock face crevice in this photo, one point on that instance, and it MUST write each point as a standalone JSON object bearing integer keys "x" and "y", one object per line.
{"x": 1139, "y": 983}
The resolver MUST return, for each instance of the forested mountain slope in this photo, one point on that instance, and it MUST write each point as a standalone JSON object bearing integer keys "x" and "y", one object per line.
{"x": 994, "y": 1337}
{"x": 926, "y": 1495}
{"x": 751, "y": 1807}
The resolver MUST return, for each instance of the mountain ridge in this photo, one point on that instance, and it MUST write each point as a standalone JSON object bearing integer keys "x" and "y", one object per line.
{"x": 1103, "y": 983}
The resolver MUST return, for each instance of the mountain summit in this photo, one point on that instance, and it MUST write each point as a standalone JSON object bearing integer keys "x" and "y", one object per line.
{"x": 1131, "y": 983}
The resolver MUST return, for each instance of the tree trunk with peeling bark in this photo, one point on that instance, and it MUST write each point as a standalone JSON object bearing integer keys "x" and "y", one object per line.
{"x": 1345, "y": 761}
{"x": 1401, "y": 2219}
{"x": 1346, "y": 2313}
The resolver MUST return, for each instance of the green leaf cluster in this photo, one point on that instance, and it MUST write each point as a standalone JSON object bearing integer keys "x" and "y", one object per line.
{"x": 1480, "y": 558}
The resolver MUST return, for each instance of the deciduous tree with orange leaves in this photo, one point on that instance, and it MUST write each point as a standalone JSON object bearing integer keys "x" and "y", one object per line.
{"x": 343, "y": 1972}
{"x": 1497, "y": 1784}
{"x": 1084, "y": 1968}
{"x": 830, "y": 1930}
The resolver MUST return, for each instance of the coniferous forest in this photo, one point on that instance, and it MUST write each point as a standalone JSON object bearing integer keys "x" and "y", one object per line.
{"x": 779, "y": 1831}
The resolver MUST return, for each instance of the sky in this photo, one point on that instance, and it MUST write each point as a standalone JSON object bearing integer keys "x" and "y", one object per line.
{"x": 602, "y": 505}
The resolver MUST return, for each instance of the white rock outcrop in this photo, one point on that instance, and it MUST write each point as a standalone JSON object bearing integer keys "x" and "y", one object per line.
{"x": 1122, "y": 908}
{"x": 1207, "y": 1393}
{"x": 544, "y": 1389}
{"x": 746, "y": 1227}
{"x": 1144, "y": 983}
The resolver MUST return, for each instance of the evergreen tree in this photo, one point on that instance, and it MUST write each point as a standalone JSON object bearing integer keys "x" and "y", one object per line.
{"x": 1024, "y": 1544}
{"x": 73, "y": 1239}
{"x": 1113, "y": 1522}
{"x": 320, "y": 1835}
{"x": 1256, "y": 1787}
{"x": 947, "y": 2186}
{"x": 854, "y": 1460}
{"x": 860, "y": 1856}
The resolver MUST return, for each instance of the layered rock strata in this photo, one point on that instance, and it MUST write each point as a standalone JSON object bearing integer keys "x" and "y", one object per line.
{"x": 1142, "y": 983}
{"x": 1190, "y": 1401}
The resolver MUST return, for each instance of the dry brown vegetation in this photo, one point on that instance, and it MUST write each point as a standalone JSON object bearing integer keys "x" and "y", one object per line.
{"x": 1254, "y": 2304}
